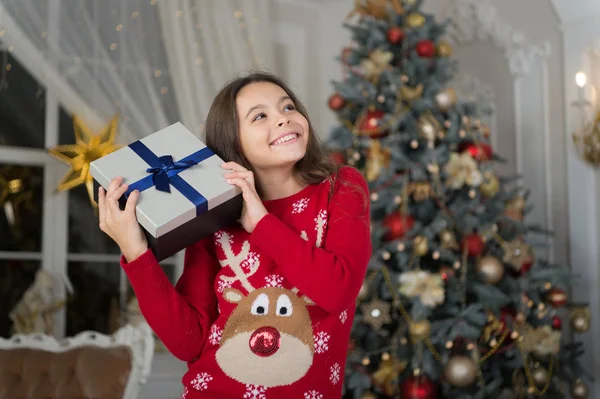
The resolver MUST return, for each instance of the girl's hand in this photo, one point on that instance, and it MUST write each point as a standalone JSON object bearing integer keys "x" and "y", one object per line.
{"x": 121, "y": 226}
{"x": 253, "y": 209}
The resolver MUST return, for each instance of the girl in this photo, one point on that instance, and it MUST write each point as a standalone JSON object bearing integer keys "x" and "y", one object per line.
{"x": 262, "y": 310}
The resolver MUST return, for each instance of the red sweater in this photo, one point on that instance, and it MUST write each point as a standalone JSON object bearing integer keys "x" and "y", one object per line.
{"x": 268, "y": 314}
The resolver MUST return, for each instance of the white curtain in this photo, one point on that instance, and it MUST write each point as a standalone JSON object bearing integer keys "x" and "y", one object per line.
{"x": 152, "y": 61}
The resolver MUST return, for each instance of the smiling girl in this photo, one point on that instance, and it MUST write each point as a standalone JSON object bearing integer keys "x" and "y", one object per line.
{"x": 263, "y": 309}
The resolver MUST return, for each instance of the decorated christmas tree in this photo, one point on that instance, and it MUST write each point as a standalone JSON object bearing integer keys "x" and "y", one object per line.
{"x": 456, "y": 304}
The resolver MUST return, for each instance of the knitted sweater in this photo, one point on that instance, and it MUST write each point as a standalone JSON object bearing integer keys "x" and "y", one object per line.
{"x": 267, "y": 314}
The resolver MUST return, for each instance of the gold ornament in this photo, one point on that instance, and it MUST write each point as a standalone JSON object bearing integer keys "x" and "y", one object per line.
{"x": 491, "y": 185}
{"x": 444, "y": 49}
{"x": 87, "y": 148}
{"x": 491, "y": 268}
{"x": 376, "y": 313}
{"x": 579, "y": 390}
{"x": 377, "y": 62}
{"x": 409, "y": 94}
{"x": 419, "y": 330}
{"x": 448, "y": 239}
{"x": 461, "y": 371}
{"x": 368, "y": 395}
{"x": 387, "y": 374}
{"x": 415, "y": 20}
{"x": 516, "y": 253}
{"x": 378, "y": 159}
{"x": 16, "y": 191}
{"x": 515, "y": 208}
{"x": 377, "y": 9}
{"x": 540, "y": 376}
{"x": 446, "y": 99}
{"x": 580, "y": 319}
{"x": 428, "y": 126}
{"x": 420, "y": 246}
{"x": 494, "y": 327}
{"x": 420, "y": 191}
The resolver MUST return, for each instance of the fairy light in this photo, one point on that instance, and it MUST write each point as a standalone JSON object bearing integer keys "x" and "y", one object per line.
{"x": 436, "y": 255}
{"x": 238, "y": 14}
{"x": 8, "y": 67}
{"x": 2, "y": 33}
{"x": 135, "y": 14}
{"x": 11, "y": 49}
{"x": 113, "y": 46}
{"x": 119, "y": 28}
{"x": 157, "y": 73}
{"x": 374, "y": 197}
{"x": 401, "y": 247}
{"x": 164, "y": 90}
{"x": 179, "y": 13}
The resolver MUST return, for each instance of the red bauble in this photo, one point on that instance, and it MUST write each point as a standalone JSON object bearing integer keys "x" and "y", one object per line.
{"x": 398, "y": 225}
{"x": 395, "y": 34}
{"x": 338, "y": 157}
{"x": 526, "y": 267}
{"x": 556, "y": 323}
{"x": 336, "y": 102}
{"x": 418, "y": 387}
{"x": 557, "y": 298}
{"x": 474, "y": 244}
{"x": 480, "y": 152}
{"x": 426, "y": 48}
{"x": 371, "y": 124}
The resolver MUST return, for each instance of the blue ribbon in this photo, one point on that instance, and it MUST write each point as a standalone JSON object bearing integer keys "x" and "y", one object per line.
{"x": 164, "y": 173}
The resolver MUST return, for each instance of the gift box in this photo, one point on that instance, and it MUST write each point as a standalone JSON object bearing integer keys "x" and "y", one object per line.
{"x": 183, "y": 192}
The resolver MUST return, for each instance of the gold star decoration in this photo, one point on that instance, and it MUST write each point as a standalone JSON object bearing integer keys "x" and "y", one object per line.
{"x": 87, "y": 148}
{"x": 516, "y": 253}
{"x": 376, "y": 313}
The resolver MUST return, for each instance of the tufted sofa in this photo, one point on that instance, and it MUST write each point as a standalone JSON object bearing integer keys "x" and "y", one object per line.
{"x": 87, "y": 366}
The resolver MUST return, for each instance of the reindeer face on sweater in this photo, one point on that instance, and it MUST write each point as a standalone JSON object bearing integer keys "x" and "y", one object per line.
{"x": 270, "y": 329}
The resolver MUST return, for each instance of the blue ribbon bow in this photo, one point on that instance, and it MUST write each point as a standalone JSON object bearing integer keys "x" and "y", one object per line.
{"x": 164, "y": 173}
{"x": 160, "y": 172}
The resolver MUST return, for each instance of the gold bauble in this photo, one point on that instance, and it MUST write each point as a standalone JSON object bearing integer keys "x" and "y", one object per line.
{"x": 420, "y": 246}
{"x": 415, "y": 20}
{"x": 580, "y": 319}
{"x": 368, "y": 395}
{"x": 409, "y": 93}
{"x": 540, "y": 376}
{"x": 491, "y": 268}
{"x": 446, "y": 99}
{"x": 579, "y": 390}
{"x": 419, "y": 330}
{"x": 490, "y": 186}
{"x": 444, "y": 49}
{"x": 428, "y": 126}
{"x": 461, "y": 371}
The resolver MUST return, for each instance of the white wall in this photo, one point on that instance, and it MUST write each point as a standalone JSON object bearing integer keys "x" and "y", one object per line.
{"x": 524, "y": 57}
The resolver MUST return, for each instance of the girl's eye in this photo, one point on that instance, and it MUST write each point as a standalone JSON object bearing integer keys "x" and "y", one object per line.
{"x": 259, "y": 116}
{"x": 289, "y": 107}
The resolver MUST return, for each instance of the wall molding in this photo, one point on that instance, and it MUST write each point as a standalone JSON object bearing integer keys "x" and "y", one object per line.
{"x": 478, "y": 21}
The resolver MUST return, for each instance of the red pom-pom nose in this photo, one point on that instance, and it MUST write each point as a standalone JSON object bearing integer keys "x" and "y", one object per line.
{"x": 265, "y": 341}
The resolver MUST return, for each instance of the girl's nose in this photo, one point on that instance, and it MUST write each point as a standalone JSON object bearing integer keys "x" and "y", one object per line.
{"x": 284, "y": 122}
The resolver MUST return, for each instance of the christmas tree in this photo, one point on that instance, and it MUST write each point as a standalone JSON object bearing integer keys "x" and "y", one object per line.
{"x": 456, "y": 304}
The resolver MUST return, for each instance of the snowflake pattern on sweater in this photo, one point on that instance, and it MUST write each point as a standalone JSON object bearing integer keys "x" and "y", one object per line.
{"x": 285, "y": 303}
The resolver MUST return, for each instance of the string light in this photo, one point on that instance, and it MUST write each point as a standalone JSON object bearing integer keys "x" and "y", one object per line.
{"x": 164, "y": 90}
{"x": 238, "y": 14}
{"x": 1, "y": 32}
{"x": 44, "y": 34}
{"x": 157, "y": 73}
{"x": 8, "y": 67}
{"x": 178, "y": 13}
{"x": 153, "y": 2}
{"x": 11, "y": 49}
{"x": 119, "y": 28}
{"x": 135, "y": 14}
{"x": 113, "y": 46}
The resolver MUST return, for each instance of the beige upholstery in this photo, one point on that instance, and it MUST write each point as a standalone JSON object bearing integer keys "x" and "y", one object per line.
{"x": 90, "y": 366}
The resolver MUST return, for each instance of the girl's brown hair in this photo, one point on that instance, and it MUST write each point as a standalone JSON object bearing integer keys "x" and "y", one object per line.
{"x": 222, "y": 134}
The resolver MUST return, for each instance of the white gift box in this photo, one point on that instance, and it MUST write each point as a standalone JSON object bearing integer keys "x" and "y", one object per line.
{"x": 183, "y": 192}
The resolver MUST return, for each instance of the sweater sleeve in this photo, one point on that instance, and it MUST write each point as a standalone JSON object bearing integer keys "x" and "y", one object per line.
{"x": 181, "y": 316}
{"x": 331, "y": 276}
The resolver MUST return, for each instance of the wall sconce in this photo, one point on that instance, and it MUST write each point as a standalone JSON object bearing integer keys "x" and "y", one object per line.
{"x": 587, "y": 138}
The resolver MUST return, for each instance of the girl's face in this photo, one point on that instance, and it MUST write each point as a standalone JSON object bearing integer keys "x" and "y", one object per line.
{"x": 272, "y": 132}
